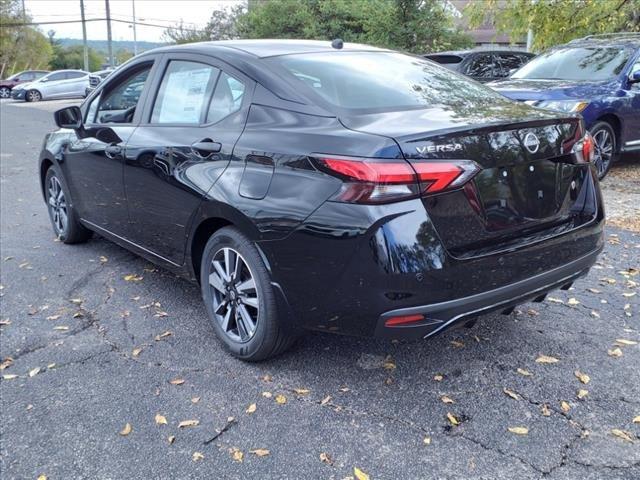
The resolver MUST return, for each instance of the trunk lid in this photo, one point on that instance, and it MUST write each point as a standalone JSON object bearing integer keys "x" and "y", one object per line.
{"x": 527, "y": 188}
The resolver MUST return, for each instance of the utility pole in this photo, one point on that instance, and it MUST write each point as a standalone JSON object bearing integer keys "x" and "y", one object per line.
{"x": 135, "y": 37}
{"x": 108, "y": 12}
{"x": 85, "y": 52}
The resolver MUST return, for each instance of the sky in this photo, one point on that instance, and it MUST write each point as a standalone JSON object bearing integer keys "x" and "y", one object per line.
{"x": 194, "y": 13}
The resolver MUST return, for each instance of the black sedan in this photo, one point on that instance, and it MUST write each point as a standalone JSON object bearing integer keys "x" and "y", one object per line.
{"x": 303, "y": 191}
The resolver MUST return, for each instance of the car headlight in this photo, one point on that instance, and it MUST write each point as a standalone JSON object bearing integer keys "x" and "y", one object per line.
{"x": 571, "y": 106}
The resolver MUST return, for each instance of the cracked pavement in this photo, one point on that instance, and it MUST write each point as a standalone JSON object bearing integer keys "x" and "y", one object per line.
{"x": 103, "y": 362}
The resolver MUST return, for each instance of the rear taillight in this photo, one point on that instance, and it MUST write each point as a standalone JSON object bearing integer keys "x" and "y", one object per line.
{"x": 585, "y": 149}
{"x": 380, "y": 181}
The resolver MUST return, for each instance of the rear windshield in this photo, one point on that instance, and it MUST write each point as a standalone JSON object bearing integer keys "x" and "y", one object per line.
{"x": 584, "y": 63}
{"x": 381, "y": 81}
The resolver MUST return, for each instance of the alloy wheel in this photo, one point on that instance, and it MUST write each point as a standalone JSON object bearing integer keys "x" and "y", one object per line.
{"x": 603, "y": 151}
{"x": 5, "y": 92}
{"x": 58, "y": 206}
{"x": 33, "y": 96}
{"x": 235, "y": 296}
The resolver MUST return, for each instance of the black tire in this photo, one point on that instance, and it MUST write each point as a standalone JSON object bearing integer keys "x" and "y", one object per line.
{"x": 606, "y": 145}
{"x": 269, "y": 336}
{"x": 5, "y": 92}
{"x": 32, "y": 96}
{"x": 68, "y": 230}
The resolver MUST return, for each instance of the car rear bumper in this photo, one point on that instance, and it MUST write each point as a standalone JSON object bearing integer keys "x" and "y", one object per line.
{"x": 443, "y": 315}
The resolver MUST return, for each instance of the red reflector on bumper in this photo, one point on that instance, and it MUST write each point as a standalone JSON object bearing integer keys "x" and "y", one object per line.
{"x": 403, "y": 320}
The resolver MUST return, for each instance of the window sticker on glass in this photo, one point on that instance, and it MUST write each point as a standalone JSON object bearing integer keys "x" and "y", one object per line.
{"x": 184, "y": 93}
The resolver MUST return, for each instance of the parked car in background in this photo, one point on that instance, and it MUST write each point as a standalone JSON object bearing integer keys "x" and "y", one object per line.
{"x": 597, "y": 76}
{"x": 95, "y": 78}
{"x": 58, "y": 84}
{"x": 8, "y": 84}
{"x": 482, "y": 65}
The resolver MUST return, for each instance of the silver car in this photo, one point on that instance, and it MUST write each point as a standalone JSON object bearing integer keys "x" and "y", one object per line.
{"x": 58, "y": 84}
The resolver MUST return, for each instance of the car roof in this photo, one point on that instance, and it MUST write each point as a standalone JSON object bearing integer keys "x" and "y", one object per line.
{"x": 464, "y": 53}
{"x": 265, "y": 48}
{"x": 622, "y": 39}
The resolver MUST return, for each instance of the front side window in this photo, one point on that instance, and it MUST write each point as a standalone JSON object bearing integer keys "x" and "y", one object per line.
{"x": 71, "y": 75}
{"x": 117, "y": 104}
{"x": 382, "y": 81}
{"x": 184, "y": 93}
{"x": 577, "y": 63}
{"x": 56, "y": 76}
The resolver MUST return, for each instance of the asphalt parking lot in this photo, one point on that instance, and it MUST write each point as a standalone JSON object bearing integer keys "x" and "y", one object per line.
{"x": 105, "y": 356}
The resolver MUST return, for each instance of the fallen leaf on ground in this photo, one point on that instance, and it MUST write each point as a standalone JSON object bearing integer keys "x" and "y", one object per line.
{"x": 266, "y": 378}
{"x": 132, "y": 278}
{"x": 103, "y": 259}
{"x": 583, "y": 377}
{"x": 260, "y": 452}
{"x": 126, "y": 430}
{"x": 53, "y": 317}
{"x": 42, "y": 477}
{"x": 452, "y": 418}
{"x": 326, "y": 458}
{"x": 9, "y": 376}
{"x": 636, "y": 419}
{"x": 359, "y": 474}
{"x": 171, "y": 439}
{"x": 545, "y": 410}
{"x": 160, "y": 314}
{"x": 389, "y": 363}
{"x": 438, "y": 378}
{"x": 565, "y": 406}
{"x": 446, "y": 399}
{"x": 626, "y": 436}
{"x": 457, "y": 343}
{"x": 623, "y": 341}
{"x": 163, "y": 335}
{"x": 63, "y": 328}
{"x": 573, "y": 301}
{"x": 519, "y": 430}
{"x": 554, "y": 300}
{"x": 615, "y": 352}
{"x": 6, "y": 363}
{"x": 177, "y": 381}
{"x": 251, "y": 408}
{"x": 546, "y": 359}
{"x": 188, "y": 423}
{"x": 524, "y": 372}
{"x": 511, "y": 394}
{"x": 426, "y": 440}
{"x": 136, "y": 351}
{"x": 595, "y": 314}
{"x": 582, "y": 394}
{"x": 195, "y": 399}
{"x": 593, "y": 290}
{"x": 301, "y": 391}
{"x": 236, "y": 454}
{"x": 267, "y": 394}
{"x": 325, "y": 400}
{"x": 281, "y": 399}
{"x": 197, "y": 456}
{"x": 161, "y": 419}
{"x": 34, "y": 372}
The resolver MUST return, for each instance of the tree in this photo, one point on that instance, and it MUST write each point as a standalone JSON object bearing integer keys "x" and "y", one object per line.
{"x": 221, "y": 26}
{"x": 556, "y": 21}
{"x": 73, "y": 57}
{"x": 21, "y": 47}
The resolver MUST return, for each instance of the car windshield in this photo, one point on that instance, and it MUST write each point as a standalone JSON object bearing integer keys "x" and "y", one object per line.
{"x": 380, "y": 81}
{"x": 584, "y": 63}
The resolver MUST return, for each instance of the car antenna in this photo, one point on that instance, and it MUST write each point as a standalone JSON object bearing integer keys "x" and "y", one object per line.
{"x": 337, "y": 44}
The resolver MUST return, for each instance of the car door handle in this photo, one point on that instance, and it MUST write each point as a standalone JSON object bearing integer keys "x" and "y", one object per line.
{"x": 206, "y": 147}
{"x": 112, "y": 150}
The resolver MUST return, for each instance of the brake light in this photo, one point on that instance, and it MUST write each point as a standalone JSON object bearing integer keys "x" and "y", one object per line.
{"x": 403, "y": 320}
{"x": 585, "y": 149}
{"x": 375, "y": 181}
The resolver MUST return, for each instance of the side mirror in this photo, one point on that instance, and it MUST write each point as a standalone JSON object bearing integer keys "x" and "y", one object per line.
{"x": 69, "y": 117}
{"x": 635, "y": 77}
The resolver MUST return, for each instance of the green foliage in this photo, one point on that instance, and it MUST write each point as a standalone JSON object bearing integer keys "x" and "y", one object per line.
{"x": 73, "y": 57}
{"x": 21, "y": 48}
{"x": 556, "y": 21}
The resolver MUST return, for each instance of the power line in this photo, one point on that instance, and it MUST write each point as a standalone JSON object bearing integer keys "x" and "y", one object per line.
{"x": 144, "y": 24}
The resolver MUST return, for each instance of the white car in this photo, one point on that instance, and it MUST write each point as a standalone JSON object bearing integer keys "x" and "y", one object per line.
{"x": 58, "y": 84}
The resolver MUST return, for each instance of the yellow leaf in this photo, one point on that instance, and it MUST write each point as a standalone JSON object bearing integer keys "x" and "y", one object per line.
{"x": 636, "y": 419}
{"x": 281, "y": 399}
{"x": 188, "y": 423}
{"x": 197, "y": 456}
{"x": 457, "y": 343}
{"x": 524, "y": 372}
{"x": 426, "y": 440}
{"x": 546, "y": 359}
{"x": 236, "y": 454}
{"x": 565, "y": 406}
{"x": 161, "y": 419}
{"x": 615, "y": 352}
{"x": 623, "y": 341}
{"x": 583, "y": 377}
{"x": 177, "y": 381}
{"x": 162, "y": 335}
{"x": 136, "y": 351}
{"x": 260, "y": 452}
{"x": 626, "y": 436}
{"x": 42, "y": 477}
{"x": 582, "y": 393}
{"x": 126, "y": 430}
{"x": 438, "y": 377}
{"x": 511, "y": 394}
{"x": 359, "y": 474}
{"x": 251, "y": 408}
{"x": 301, "y": 391}
{"x": 454, "y": 421}
{"x": 34, "y": 372}
{"x": 519, "y": 430}
{"x": 132, "y": 278}
{"x": 326, "y": 458}
{"x": 446, "y": 399}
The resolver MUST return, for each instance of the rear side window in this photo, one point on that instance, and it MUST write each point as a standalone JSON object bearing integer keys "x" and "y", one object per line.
{"x": 227, "y": 98}
{"x": 71, "y": 75}
{"x": 184, "y": 93}
{"x": 57, "y": 76}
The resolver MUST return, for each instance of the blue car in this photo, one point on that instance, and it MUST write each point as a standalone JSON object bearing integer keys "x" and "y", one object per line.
{"x": 597, "y": 76}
